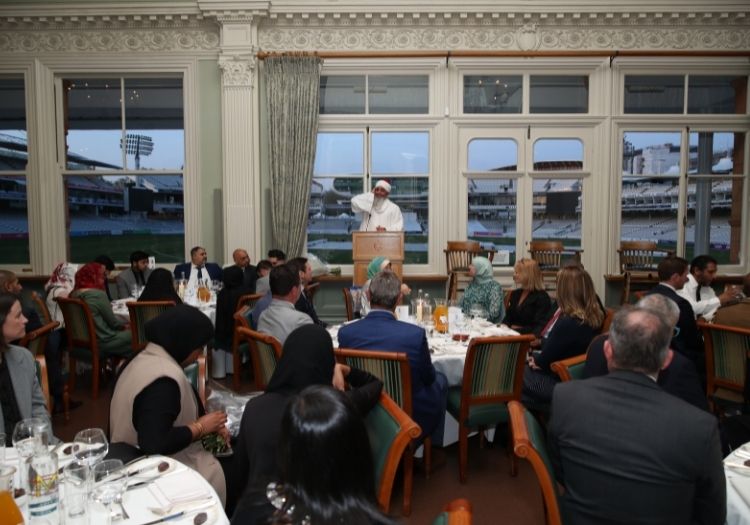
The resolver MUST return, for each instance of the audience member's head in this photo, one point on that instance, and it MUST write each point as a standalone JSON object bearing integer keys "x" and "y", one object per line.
{"x": 703, "y": 268}
{"x": 306, "y": 359}
{"x": 385, "y": 291}
{"x": 198, "y": 256}
{"x": 276, "y": 257}
{"x": 11, "y": 319}
{"x": 63, "y": 276}
{"x": 638, "y": 341}
{"x": 180, "y": 331}
{"x": 336, "y": 484}
{"x": 139, "y": 261}
{"x": 107, "y": 262}
{"x": 284, "y": 282}
{"x": 661, "y": 305}
{"x": 673, "y": 271}
{"x": 303, "y": 267}
{"x": 481, "y": 269}
{"x": 576, "y": 296}
{"x": 9, "y": 282}
{"x": 263, "y": 268}
{"x": 160, "y": 287}
{"x": 91, "y": 275}
{"x": 378, "y": 264}
{"x": 527, "y": 275}
{"x": 240, "y": 257}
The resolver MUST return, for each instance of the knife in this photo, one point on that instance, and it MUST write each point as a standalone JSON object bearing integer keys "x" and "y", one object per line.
{"x": 180, "y": 514}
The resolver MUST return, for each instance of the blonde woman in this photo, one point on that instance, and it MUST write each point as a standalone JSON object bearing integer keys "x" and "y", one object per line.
{"x": 529, "y": 306}
{"x": 577, "y": 320}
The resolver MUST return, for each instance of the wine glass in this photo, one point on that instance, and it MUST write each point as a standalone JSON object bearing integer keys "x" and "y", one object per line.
{"x": 109, "y": 479}
{"x": 90, "y": 446}
{"x": 27, "y": 439}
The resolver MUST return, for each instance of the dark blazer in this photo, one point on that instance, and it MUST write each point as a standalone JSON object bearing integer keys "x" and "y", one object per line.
{"x": 531, "y": 315}
{"x": 569, "y": 337}
{"x": 380, "y": 330}
{"x": 305, "y": 305}
{"x": 689, "y": 341}
{"x": 679, "y": 379}
{"x": 213, "y": 269}
{"x": 250, "y": 276}
{"x": 628, "y": 452}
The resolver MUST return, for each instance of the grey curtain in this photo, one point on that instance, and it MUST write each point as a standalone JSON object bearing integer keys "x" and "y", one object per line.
{"x": 292, "y": 93}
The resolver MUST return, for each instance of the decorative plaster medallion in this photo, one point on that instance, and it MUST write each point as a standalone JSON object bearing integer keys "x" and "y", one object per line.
{"x": 527, "y": 37}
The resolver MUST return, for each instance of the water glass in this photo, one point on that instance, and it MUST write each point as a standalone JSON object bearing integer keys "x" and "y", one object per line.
{"x": 109, "y": 479}
{"x": 27, "y": 440}
{"x": 76, "y": 477}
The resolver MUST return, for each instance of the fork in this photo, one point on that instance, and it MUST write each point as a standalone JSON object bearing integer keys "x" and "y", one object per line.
{"x": 163, "y": 511}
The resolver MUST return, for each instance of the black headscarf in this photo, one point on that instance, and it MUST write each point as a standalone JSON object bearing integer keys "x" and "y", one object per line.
{"x": 160, "y": 287}
{"x": 226, "y": 302}
{"x": 180, "y": 331}
{"x": 307, "y": 359}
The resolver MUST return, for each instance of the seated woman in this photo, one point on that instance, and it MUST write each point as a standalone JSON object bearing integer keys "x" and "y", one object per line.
{"x": 574, "y": 324}
{"x": 112, "y": 334}
{"x": 155, "y": 408}
{"x": 483, "y": 290}
{"x": 21, "y": 396}
{"x": 307, "y": 359}
{"x": 530, "y": 304}
{"x": 160, "y": 287}
{"x": 336, "y": 484}
{"x": 226, "y": 305}
{"x": 377, "y": 265}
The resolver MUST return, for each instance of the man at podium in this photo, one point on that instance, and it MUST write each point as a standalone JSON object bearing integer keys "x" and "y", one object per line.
{"x": 379, "y": 214}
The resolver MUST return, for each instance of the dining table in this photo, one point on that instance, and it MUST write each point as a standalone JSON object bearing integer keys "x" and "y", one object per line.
{"x": 120, "y": 307}
{"x": 737, "y": 476}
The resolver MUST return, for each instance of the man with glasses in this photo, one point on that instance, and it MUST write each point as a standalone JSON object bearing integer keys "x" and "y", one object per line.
{"x": 197, "y": 268}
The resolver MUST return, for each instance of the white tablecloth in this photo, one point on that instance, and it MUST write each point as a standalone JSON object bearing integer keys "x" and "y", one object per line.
{"x": 119, "y": 307}
{"x": 738, "y": 486}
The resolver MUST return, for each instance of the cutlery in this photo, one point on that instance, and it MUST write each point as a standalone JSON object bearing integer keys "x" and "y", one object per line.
{"x": 161, "y": 466}
{"x": 183, "y": 513}
{"x": 162, "y": 511}
{"x": 141, "y": 483}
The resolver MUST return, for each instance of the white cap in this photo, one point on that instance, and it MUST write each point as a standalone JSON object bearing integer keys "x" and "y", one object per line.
{"x": 383, "y": 184}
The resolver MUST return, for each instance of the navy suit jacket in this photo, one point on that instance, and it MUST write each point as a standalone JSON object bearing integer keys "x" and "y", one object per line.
{"x": 213, "y": 269}
{"x": 380, "y": 330}
{"x": 305, "y": 305}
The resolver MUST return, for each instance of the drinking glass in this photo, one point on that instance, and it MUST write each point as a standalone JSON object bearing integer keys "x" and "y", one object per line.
{"x": 109, "y": 478}
{"x": 2, "y": 449}
{"x": 90, "y": 446}
{"x": 27, "y": 439}
{"x": 76, "y": 477}
{"x": 9, "y": 511}
{"x": 217, "y": 285}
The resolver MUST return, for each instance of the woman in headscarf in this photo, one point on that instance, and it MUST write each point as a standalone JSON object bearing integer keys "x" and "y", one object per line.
{"x": 226, "y": 305}
{"x": 155, "y": 408}
{"x": 307, "y": 359}
{"x": 160, "y": 287}
{"x": 483, "y": 290}
{"x": 377, "y": 265}
{"x": 112, "y": 334}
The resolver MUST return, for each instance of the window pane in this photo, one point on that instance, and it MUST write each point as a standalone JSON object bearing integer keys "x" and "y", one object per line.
{"x": 399, "y": 94}
{"x": 714, "y": 219}
{"x": 557, "y": 211}
{"x": 12, "y": 124}
{"x": 14, "y": 223}
{"x": 330, "y": 219}
{"x": 559, "y": 94}
{"x": 343, "y": 94}
{"x": 716, "y": 152}
{"x": 654, "y": 93}
{"x": 493, "y": 94}
{"x": 400, "y": 152}
{"x": 94, "y": 124}
{"x": 411, "y": 194}
{"x": 339, "y": 154}
{"x": 154, "y": 125}
{"x": 493, "y": 155}
{"x": 492, "y": 214}
{"x": 558, "y": 154}
{"x": 717, "y": 94}
{"x": 117, "y": 215}
{"x": 647, "y": 153}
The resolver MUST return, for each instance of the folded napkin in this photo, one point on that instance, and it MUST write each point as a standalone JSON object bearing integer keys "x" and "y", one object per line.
{"x": 742, "y": 485}
{"x": 500, "y": 331}
{"x": 170, "y": 490}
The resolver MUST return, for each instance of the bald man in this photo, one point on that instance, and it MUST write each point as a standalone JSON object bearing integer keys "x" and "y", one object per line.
{"x": 378, "y": 213}
{"x": 242, "y": 260}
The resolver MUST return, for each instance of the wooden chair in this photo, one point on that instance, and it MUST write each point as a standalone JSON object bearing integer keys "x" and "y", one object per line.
{"x": 265, "y": 352}
{"x": 625, "y": 294}
{"x": 140, "y": 313}
{"x": 196, "y": 373}
{"x": 458, "y": 256}
{"x": 607, "y": 320}
{"x": 392, "y": 368}
{"x": 493, "y": 375}
{"x": 638, "y": 256}
{"x": 40, "y": 305}
{"x": 727, "y": 351}
{"x": 529, "y": 443}
{"x": 239, "y": 347}
{"x": 41, "y": 374}
{"x": 457, "y": 512}
{"x": 36, "y": 342}
{"x": 570, "y": 368}
{"x": 248, "y": 300}
{"x": 390, "y": 431}
{"x": 348, "y": 303}
{"x": 548, "y": 254}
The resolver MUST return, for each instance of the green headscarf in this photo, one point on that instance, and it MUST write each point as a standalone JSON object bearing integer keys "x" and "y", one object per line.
{"x": 376, "y": 266}
{"x": 483, "y": 268}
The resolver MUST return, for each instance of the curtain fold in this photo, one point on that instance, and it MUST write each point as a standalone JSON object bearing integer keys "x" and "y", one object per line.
{"x": 292, "y": 99}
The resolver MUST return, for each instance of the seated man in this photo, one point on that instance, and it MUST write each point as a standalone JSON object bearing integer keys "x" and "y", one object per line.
{"x": 380, "y": 330}
{"x": 197, "y": 268}
{"x": 698, "y": 292}
{"x": 627, "y": 452}
{"x": 280, "y": 318}
{"x": 242, "y": 260}
{"x": 738, "y": 314}
{"x": 304, "y": 303}
{"x": 136, "y": 275}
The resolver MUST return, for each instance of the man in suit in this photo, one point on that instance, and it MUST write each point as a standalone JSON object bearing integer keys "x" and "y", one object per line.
{"x": 673, "y": 274}
{"x": 380, "y": 330}
{"x": 627, "y": 452}
{"x": 698, "y": 292}
{"x": 197, "y": 268}
{"x": 137, "y": 274}
{"x": 280, "y": 318}
{"x": 305, "y": 304}
{"x": 738, "y": 314}
{"x": 242, "y": 260}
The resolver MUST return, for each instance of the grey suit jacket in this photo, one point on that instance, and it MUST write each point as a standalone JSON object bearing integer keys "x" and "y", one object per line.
{"x": 29, "y": 394}
{"x": 628, "y": 452}
{"x": 280, "y": 319}
{"x": 126, "y": 280}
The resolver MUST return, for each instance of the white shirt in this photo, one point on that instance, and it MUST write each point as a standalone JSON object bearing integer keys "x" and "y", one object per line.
{"x": 381, "y": 213}
{"x": 708, "y": 304}
{"x": 193, "y": 280}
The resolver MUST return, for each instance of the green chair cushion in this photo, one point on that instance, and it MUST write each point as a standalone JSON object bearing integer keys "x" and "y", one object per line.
{"x": 442, "y": 519}
{"x": 481, "y": 415}
{"x": 382, "y": 429}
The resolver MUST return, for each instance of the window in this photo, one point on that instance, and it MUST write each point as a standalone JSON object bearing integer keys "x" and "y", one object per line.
{"x": 386, "y": 94}
{"x": 716, "y": 94}
{"x": 124, "y": 159}
{"x": 14, "y": 223}
{"x": 665, "y": 94}
{"x": 559, "y": 94}
{"x": 654, "y": 93}
{"x": 493, "y": 93}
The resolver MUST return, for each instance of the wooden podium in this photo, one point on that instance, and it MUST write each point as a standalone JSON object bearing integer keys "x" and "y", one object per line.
{"x": 368, "y": 245}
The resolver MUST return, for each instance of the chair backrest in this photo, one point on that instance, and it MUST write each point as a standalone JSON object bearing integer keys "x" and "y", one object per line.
{"x": 36, "y": 340}
{"x": 265, "y": 352}
{"x": 625, "y": 295}
{"x": 392, "y": 368}
{"x": 493, "y": 371}
{"x": 348, "y": 303}
{"x": 548, "y": 254}
{"x": 79, "y": 323}
{"x": 41, "y": 374}
{"x": 458, "y": 254}
{"x": 637, "y": 256}
{"x": 140, "y": 313}
{"x": 529, "y": 443}
{"x": 390, "y": 431}
{"x": 457, "y": 512}
{"x": 196, "y": 374}
{"x": 40, "y": 305}
{"x": 248, "y": 300}
{"x": 727, "y": 348}
{"x": 607, "y": 320}
{"x": 570, "y": 368}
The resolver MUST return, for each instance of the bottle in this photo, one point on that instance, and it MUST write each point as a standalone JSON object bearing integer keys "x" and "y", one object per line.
{"x": 44, "y": 492}
{"x": 419, "y": 303}
{"x": 181, "y": 287}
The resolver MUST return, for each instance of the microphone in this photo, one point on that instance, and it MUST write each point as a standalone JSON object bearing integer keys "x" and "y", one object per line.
{"x": 369, "y": 213}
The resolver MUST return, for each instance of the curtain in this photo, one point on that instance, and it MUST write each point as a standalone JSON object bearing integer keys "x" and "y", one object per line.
{"x": 292, "y": 93}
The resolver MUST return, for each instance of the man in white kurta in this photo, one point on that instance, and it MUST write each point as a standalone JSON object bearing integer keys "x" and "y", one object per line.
{"x": 379, "y": 214}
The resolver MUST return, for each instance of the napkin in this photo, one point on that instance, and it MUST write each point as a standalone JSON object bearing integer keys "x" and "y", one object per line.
{"x": 170, "y": 490}
{"x": 499, "y": 330}
{"x": 742, "y": 486}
